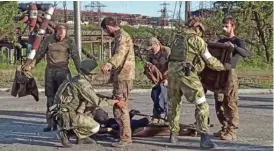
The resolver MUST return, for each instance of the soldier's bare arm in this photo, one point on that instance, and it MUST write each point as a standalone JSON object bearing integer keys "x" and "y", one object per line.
{"x": 211, "y": 61}
{"x": 122, "y": 50}
{"x": 74, "y": 55}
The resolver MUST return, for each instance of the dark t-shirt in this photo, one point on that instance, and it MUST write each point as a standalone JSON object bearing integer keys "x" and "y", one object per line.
{"x": 237, "y": 51}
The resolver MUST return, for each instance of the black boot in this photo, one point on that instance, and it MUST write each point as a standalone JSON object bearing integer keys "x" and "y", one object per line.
{"x": 206, "y": 142}
{"x": 64, "y": 139}
{"x": 54, "y": 127}
{"x": 47, "y": 129}
{"x": 173, "y": 138}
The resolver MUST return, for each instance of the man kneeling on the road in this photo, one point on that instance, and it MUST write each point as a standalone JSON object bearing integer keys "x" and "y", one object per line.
{"x": 74, "y": 102}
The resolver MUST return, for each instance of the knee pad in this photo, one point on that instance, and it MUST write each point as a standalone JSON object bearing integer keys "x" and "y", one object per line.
{"x": 96, "y": 129}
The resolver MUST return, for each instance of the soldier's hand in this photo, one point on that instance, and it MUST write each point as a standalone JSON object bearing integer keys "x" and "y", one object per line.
{"x": 106, "y": 67}
{"x": 121, "y": 103}
{"x": 227, "y": 66}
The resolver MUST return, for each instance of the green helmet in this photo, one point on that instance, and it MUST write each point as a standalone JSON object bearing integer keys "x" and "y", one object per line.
{"x": 88, "y": 65}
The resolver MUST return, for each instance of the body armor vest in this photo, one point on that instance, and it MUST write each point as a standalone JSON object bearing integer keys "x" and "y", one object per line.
{"x": 178, "y": 49}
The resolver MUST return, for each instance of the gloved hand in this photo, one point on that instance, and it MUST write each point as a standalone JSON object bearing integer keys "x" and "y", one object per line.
{"x": 227, "y": 66}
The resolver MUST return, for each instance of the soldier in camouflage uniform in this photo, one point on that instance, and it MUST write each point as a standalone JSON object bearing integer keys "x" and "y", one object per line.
{"x": 58, "y": 48}
{"x": 122, "y": 69}
{"x": 74, "y": 103}
{"x": 188, "y": 57}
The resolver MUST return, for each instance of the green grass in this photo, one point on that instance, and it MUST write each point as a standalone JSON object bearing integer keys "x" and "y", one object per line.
{"x": 252, "y": 75}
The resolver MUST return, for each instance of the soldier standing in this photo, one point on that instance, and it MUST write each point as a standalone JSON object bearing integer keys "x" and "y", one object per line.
{"x": 74, "y": 103}
{"x": 227, "y": 104}
{"x": 188, "y": 57}
{"x": 159, "y": 58}
{"x": 57, "y": 48}
{"x": 122, "y": 66}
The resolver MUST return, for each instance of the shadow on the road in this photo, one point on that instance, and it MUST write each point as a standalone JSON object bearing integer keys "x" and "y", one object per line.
{"x": 20, "y": 129}
{"x": 163, "y": 142}
{"x": 257, "y": 106}
{"x": 195, "y": 144}
{"x": 256, "y": 99}
{"x": 22, "y": 114}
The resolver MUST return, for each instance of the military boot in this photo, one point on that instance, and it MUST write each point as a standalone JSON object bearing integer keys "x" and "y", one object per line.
{"x": 230, "y": 134}
{"x": 206, "y": 142}
{"x": 87, "y": 140}
{"x": 122, "y": 143}
{"x": 173, "y": 138}
{"x": 220, "y": 132}
{"x": 64, "y": 139}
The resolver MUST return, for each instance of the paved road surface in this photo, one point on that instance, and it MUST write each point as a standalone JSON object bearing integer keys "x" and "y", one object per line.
{"x": 22, "y": 121}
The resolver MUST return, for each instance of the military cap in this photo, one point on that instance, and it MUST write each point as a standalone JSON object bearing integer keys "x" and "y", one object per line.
{"x": 88, "y": 66}
{"x": 194, "y": 22}
{"x": 151, "y": 41}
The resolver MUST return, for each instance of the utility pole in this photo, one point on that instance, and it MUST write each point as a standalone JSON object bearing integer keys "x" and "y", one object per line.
{"x": 180, "y": 6}
{"x": 187, "y": 10}
{"x": 97, "y": 5}
{"x": 77, "y": 27}
{"x": 65, "y": 11}
{"x": 164, "y": 14}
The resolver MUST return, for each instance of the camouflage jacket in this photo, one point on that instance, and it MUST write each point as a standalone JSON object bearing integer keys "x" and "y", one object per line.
{"x": 58, "y": 52}
{"x": 198, "y": 54}
{"x": 78, "y": 95}
{"x": 123, "y": 57}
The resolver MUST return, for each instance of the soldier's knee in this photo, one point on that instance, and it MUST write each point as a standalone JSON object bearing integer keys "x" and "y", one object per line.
{"x": 96, "y": 129}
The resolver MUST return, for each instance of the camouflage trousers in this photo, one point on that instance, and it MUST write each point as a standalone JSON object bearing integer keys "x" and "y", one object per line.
{"x": 189, "y": 86}
{"x": 226, "y": 104}
{"x": 53, "y": 79}
{"x": 83, "y": 125}
{"x": 121, "y": 89}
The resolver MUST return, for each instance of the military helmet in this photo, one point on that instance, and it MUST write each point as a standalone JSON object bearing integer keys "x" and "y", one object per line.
{"x": 194, "y": 22}
{"x": 88, "y": 65}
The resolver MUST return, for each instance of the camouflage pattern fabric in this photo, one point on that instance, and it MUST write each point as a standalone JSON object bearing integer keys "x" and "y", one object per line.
{"x": 72, "y": 96}
{"x": 121, "y": 89}
{"x": 122, "y": 76}
{"x": 190, "y": 86}
{"x": 123, "y": 57}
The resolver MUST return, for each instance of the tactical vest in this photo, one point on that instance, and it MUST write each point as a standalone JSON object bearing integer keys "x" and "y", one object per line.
{"x": 178, "y": 49}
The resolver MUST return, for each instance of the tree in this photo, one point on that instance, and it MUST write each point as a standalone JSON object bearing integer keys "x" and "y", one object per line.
{"x": 254, "y": 25}
{"x": 8, "y": 12}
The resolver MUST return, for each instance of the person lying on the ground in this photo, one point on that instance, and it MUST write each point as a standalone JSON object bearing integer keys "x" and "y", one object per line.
{"x": 73, "y": 102}
{"x": 143, "y": 127}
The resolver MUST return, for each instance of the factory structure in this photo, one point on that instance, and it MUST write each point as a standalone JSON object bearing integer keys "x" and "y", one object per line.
{"x": 93, "y": 14}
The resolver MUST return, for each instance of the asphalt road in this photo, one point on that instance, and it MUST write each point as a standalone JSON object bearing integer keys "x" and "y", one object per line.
{"x": 22, "y": 121}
